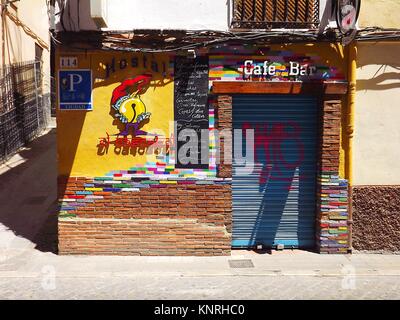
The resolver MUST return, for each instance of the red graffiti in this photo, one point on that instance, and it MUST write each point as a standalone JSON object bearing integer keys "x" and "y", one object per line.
{"x": 271, "y": 138}
{"x": 123, "y": 142}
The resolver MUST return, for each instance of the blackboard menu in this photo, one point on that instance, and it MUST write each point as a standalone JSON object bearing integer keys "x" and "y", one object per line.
{"x": 191, "y": 111}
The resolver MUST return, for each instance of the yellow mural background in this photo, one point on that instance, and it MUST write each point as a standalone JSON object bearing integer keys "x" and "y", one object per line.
{"x": 79, "y": 131}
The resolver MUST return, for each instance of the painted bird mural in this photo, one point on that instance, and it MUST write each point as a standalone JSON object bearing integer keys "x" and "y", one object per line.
{"x": 128, "y": 106}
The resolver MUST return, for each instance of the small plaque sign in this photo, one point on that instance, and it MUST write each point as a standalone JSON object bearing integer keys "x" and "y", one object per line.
{"x": 75, "y": 89}
{"x": 68, "y": 62}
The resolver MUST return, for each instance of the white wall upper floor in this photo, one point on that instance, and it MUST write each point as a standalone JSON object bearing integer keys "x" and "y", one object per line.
{"x": 198, "y": 14}
{"x": 26, "y": 25}
{"x": 150, "y": 14}
{"x": 172, "y": 14}
{"x": 158, "y": 14}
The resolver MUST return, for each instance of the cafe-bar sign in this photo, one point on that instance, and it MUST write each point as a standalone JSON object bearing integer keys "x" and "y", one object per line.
{"x": 270, "y": 69}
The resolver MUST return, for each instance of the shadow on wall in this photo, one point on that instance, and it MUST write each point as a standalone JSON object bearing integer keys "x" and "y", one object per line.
{"x": 129, "y": 86}
{"x": 69, "y": 126}
{"x": 28, "y": 201}
{"x": 383, "y": 81}
{"x": 283, "y": 178}
{"x": 379, "y": 67}
{"x": 12, "y": 38}
{"x": 75, "y": 16}
{"x": 157, "y": 80}
{"x": 278, "y": 197}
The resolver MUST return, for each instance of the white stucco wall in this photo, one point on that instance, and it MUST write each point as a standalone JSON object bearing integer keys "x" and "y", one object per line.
{"x": 159, "y": 14}
{"x": 19, "y": 45}
{"x": 380, "y": 13}
{"x": 172, "y": 14}
{"x": 377, "y": 115}
{"x": 152, "y": 14}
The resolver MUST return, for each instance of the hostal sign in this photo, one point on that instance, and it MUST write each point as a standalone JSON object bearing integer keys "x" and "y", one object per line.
{"x": 268, "y": 68}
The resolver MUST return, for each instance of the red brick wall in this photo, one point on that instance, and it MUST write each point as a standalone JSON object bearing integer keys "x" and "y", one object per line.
{"x": 176, "y": 220}
{"x": 332, "y": 225}
{"x": 224, "y": 122}
{"x": 146, "y": 237}
{"x": 330, "y": 136}
{"x": 188, "y": 219}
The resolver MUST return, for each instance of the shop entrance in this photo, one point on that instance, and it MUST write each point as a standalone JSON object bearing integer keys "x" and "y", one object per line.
{"x": 275, "y": 202}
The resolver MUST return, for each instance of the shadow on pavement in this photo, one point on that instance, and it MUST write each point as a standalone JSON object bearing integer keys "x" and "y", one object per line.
{"x": 28, "y": 197}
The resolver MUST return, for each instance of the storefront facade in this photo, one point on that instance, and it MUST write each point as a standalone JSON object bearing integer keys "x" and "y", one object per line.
{"x": 125, "y": 189}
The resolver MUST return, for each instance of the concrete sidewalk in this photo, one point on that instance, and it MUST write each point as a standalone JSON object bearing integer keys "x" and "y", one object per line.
{"x": 28, "y": 197}
{"x": 29, "y": 274}
{"x": 25, "y": 262}
{"x": 28, "y": 230}
{"x": 29, "y": 269}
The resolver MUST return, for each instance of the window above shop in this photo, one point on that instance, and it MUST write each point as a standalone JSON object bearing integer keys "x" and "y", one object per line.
{"x": 275, "y": 14}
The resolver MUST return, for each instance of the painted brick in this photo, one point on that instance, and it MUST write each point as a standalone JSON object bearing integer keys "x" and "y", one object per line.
{"x": 193, "y": 219}
{"x": 332, "y": 221}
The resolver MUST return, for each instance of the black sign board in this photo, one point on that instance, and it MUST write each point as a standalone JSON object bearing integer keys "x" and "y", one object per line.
{"x": 191, "y": 108}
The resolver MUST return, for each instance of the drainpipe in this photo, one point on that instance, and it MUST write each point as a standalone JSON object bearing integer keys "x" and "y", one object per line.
{"x": 352, "y": 78}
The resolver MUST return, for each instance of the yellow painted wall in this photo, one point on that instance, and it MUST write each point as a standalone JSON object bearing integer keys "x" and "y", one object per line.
{"x": 79, "y": 132}
{"x": 380, "y": 13}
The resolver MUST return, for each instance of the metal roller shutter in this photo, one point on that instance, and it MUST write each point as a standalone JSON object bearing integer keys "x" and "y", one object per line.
{"x": 276, "y": 202}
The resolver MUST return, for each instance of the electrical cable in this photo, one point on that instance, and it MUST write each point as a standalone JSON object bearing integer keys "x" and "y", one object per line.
{"x": 71, "y": 22}
{"x": 62, "y": 5}
{"x": 189, "y": 40}
{"x": 78, "y": 14}
{"x": 27, "y": 30}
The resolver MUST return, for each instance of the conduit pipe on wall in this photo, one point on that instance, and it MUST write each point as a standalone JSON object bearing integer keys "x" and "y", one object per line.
{"x": 352, "y": 79}
{"x": 27, "y": 30}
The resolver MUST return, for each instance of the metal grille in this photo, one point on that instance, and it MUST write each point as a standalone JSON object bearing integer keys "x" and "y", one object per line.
{"x": 23, "y": 109}
{"x": 268, "y": 14}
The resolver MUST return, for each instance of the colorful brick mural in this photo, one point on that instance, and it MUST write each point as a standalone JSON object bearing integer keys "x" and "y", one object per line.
{"x": 333, "y": 206}
{"x": 158, "y": 175}
{"x": 118, "y": 175}
{"x": 333, "y": 196}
